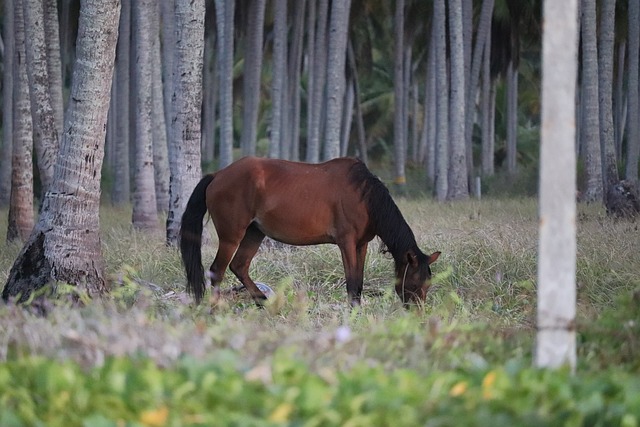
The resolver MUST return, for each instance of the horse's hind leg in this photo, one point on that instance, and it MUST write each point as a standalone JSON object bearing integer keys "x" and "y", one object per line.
{"x": 240, "y": 264}
{"x": 353, "y": 258}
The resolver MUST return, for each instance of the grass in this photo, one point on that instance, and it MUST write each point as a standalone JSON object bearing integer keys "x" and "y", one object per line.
{"x": 480, "y": 311}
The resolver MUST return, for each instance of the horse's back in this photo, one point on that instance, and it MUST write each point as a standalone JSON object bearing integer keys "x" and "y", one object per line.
{"x": 298, "y": 203}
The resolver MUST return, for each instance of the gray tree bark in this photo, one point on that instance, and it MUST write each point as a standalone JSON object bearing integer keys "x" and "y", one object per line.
{"x": 556, "y": 337}
{"x": 512, "y": 117}
{"x": 185, "y": 110}
{"x": 442, "y": 102}
{"x": 458, "y": 187}
{"x": 65, "y": 244}
{"x": 7, "y": 106}
{"x": 251, "y": 77}
{"x": 633, "y": 140}
{"x": 279, "y": 76}
{"x": 224, "y": 18}
{"x": 54, "y": 62}
{"x": 292, "y": 146}
{"x": 399, "y": 137}
{"x": 317, "y": 84}
{"x": 145, "y": 213}
{"x": 336, "y": 79}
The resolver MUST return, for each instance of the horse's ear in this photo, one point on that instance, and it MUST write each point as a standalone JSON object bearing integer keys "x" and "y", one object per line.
{"x": 412, "y": 259}
{"x": 434, "y": 257}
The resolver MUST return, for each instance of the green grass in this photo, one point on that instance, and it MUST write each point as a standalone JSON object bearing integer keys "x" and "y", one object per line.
{"x": 479, "y": 316}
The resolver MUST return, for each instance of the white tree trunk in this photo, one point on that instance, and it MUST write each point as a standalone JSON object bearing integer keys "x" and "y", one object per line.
{"x": 556, "y": 338}
{"x": 65, "y": 244}
{"x": 185, "y": 110}
{"x": 336, "y": 79}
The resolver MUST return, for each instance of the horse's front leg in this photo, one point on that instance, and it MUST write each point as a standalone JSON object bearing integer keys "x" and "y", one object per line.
{"x": 353, "y": 259}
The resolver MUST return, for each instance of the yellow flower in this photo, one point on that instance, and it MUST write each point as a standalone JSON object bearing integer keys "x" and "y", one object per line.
{"x": 487, "y": 384}
{"x": 281, "y": 413}
{"x": 155, "y": 417}
{"x": 458, "y": 389}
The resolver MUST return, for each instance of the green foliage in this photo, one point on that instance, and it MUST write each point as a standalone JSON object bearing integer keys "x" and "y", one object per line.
{"x": 36, "y": 391}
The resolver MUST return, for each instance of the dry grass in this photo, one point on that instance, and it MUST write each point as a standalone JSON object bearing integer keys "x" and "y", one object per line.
{"x": 481, "y": 308}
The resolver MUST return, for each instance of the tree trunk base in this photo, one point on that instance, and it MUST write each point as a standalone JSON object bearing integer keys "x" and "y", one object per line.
{"x": 30, "y": 272}
{"x": 623, "y": 200}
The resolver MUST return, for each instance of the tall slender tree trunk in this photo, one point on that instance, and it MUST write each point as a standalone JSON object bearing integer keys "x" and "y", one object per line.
{"x": 145, "y": 213}
{"x": 399, "y": 138}
{"x": 168, "y": 42}
{"x": 159, "y": 128}
{"x": 605, "y": 88}
{"x": 556, "y": 336}
{"x": 591, "y": 116}
{"x": 336, "y": 79}
{"x": 620, "y": 100}
{"x": 442, "y": 102}
{"x": 633, "y": 140}
{"x": 318, "y": 83}
{"x": 185, "y": 109}
{"x": 45, "y": 130}
{"x": 362, "y": 137}
{"x": 347, "y": 118}
{"x": 224, "y": 17}
{"x": 292, "y": 147}
{"x": 458, "y": 182}
{"x": 210, "y": 98}
{"x": 7, "y": 106}
{"x": 487, "y": 112}
{"x": 21, "y": 216}
{"x": 481, "y": 46}
{"x": 54, "y": 62}
{"x": 121, "y": 193}
{"x": 252, "y": 74}
{"x": 512, "y": 117}
{"x": 65, "y": 244}
{"x": 429, "y": 128}
{"x": 279, "y": 74}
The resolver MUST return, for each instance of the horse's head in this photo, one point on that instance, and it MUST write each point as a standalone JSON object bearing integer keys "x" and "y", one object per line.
{"x": 414, "y": 276}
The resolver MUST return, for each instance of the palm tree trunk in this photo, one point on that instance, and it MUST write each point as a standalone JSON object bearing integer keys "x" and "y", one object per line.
{"x": 295, "y": 70}
{"x": 605, "y": 83}
{"x": 591, "y": 116}
{"x": 65, "y": 244}
{"x": 336, "y": 79}
{"x": 399, "y": 140}
{"x": 186, "y": 102}
{"x": 347, "y": 118}
{"x": 442, "y": 102}
{"x": 556, "y": 337}
{"x": 318, "y": 83}
{"x": 45, "y": 130}
{"x": 210, "y": 79}
{"x": 620, "y": 100}
{"x": 224, "y": 17}
{"x": 633, "y": 141}
{"x": 279, "y": 73}
{"x": 21, "y": 216}
{"x": 7, "y": 106}
{"x": 458, "y": 182}
{"x": 251, "y": 77}
{"x": 54, "y": 62}
{"x": 121, "y": 193}
{"x": 487, "y": 116}
{"x": 512, "y": 117}
{"x": 145, "y": 213}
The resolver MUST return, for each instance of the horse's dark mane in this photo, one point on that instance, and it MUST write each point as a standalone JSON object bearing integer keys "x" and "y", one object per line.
{"x": 387, "y": 220}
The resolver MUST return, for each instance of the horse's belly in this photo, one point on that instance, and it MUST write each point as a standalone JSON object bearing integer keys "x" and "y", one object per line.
{"x": 296, "y": 229}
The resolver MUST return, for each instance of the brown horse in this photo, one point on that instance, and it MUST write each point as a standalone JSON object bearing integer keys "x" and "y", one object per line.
{"x": 339, "y": 202}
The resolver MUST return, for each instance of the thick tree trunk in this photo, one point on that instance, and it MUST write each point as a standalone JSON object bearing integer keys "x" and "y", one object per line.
{"x": 458, "y": 182}
{"x": 251, "y": 77}
{"x": 336, "y": 79}
{"x": 185, "y": 110}
{"x": 279, "y": 76}
{"x": 590, "y": 112}
{"x": 556, "y": 337}
{"x": 21, "y": 217}
{"x": 145, "y": 213}
{"x": 65, "y": 244}
{"x": 224, "y": 19}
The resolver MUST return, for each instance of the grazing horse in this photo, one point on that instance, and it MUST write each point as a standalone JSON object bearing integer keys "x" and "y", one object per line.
{"x": 339, "y": 202}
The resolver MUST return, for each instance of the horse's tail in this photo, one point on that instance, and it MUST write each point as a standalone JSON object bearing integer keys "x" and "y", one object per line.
{"x": 191, "y": 238}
